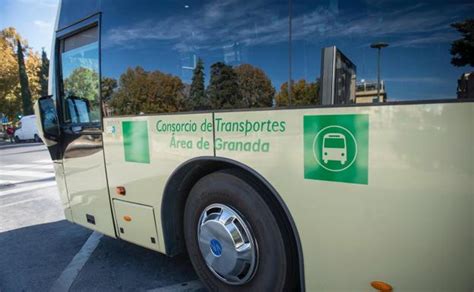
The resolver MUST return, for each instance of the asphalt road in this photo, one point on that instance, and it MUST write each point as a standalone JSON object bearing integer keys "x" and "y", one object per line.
{"x": 40, "y": 251}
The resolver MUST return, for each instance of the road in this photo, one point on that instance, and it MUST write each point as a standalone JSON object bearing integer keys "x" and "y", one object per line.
{"x": 41, "y": 251}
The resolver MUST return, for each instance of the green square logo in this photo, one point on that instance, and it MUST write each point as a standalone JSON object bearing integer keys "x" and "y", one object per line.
{"x": 135, "y": 141}
{"x": 336, "y": 148}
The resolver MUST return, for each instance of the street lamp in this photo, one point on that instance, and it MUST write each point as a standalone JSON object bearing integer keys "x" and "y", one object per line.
{"x": 379, "y": 46}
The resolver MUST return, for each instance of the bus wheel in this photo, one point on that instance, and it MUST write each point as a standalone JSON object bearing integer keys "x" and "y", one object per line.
{"x": 17, "y": 139}
{"x": 232, "y": 237}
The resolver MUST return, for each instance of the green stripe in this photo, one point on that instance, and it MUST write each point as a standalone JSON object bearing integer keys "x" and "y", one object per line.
{"x": 135, "y": 141}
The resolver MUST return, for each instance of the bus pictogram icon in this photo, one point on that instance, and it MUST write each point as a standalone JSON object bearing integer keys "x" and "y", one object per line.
{"x": 334, "y": 148}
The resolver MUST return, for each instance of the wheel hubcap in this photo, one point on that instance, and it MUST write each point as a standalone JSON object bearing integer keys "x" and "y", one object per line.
{"x": 227, "y": 244}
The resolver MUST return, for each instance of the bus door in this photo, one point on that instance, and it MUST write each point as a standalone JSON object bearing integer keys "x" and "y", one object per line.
{"x": 81, "y": 130}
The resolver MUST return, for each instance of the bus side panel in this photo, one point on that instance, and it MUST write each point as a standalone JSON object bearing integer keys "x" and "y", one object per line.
{"x": 402, "y": 212}
{"x": 141, "y": 154}
{"x": 86, "y": 183}
{"x": 62, "y": 189}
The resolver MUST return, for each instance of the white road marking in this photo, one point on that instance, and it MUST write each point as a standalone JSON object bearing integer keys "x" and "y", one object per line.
{"x": 43, "y": 161}
{"x": 27, "y": 173}
{"x": 21, "y": 202}
{"x": 44, "y": 166}
{"x": 28, "y": 188}
{"x": 29, "y": 166}
{"x": 65, "y": 281}
{"x": 16, "y": 166}
{"x": 181, "y": 287}
{"x": 7, "y": 182}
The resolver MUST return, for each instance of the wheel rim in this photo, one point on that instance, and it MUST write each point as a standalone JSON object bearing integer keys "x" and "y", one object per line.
{"x": 227, "y": 244}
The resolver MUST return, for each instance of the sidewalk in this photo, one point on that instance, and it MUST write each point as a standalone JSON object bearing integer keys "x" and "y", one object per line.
{"x": 4, "y": 142}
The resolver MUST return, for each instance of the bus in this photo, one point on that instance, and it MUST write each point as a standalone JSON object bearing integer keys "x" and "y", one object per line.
{"x": 334, "y": 148}
{"x": 200, "y": 127}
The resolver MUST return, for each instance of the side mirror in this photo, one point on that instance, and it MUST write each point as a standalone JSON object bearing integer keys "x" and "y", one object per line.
{"x": 46, "y": 112}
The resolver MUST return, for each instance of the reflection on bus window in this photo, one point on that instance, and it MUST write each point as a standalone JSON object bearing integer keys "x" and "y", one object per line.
{"x": 80, "y": 77}
{"x": 210, "y": 54}
{"x": 200, "y": 56}
{"x": 394, "y": 50}
{"x": 79, "y": 109}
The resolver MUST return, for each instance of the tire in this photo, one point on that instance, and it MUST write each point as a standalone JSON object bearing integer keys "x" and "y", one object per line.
{"x": 37, "y": 139}
{"x": 229, "y": 189}
{"x": 17, "y": 139}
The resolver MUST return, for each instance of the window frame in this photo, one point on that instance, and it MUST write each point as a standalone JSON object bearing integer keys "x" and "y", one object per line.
{"x": 62, "y": 34}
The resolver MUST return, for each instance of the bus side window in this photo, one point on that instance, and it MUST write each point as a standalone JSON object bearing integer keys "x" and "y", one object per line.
{"x": 207, "y": 55}
{"x": 169, "y": 57}
{"x": 365, "y": 52}
{"x": 80, "y": 77}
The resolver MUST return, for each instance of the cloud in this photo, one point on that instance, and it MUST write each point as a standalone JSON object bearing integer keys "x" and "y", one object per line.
{"x": 428, "y": 79}
{"x": 44, "y": 27}
{"x": 211, "y": 26}
{"x": 422, "y": 41}
{"x": 43, "y": 24}
{"x": 254, "y": 22}
{"x": 45, "y": 3}
{"x": 413, "y": 22}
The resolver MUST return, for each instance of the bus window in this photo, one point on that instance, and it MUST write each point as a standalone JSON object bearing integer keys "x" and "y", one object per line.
{"x": 346, "y": 52}
{"x": 80, "y": 77}
{"x": 72, "y": 11}
{"x": 168, "y": 56}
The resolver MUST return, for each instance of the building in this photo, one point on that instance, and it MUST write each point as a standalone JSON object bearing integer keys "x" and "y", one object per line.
{"x": 338, "y": 77}
{"x": 366, "y": 92}
{"x": 232, "y": 54}
{"x": 466, "y": 86}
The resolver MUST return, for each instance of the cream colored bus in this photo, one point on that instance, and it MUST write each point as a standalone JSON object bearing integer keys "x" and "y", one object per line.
{"x": 204, "y": 127}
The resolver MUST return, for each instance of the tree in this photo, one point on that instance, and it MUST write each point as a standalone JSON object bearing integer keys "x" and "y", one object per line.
{"x": 255, "y": 87}
{"x": 463, "y": 49}
{"x": 197, "y": 94}
{"x": 24, "y": 84}
{"x": 302, "y": 93}
{"x": 141, "y": 91}
{"x": 131, "y": 92}
{"x": 83, "y": 82}
{"x": 223, "y": 89}
{"x": 33, "y": 65}
{"x": 108, "y": 85}
{"x": 10, "y": 104}
{"x": 43, "y": 74}
{"x": 12, "y": 36}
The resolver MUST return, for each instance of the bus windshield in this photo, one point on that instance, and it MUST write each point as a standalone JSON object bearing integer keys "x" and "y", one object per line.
{"x": 334, "y": 143}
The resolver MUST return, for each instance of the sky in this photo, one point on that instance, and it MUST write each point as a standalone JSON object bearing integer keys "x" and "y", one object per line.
{"x": 33, "y": 19}
{"x": 160, "y": 34}
{"x": 416, "y": 65}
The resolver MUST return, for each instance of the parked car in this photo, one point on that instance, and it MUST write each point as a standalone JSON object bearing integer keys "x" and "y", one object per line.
{"x": 27, "y": 130}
